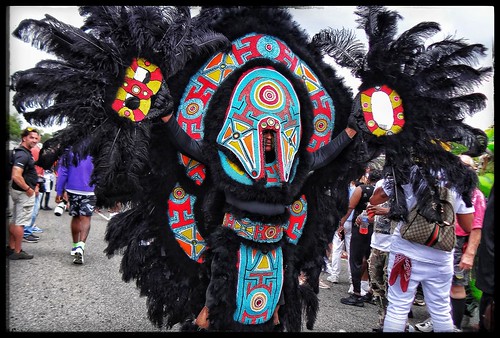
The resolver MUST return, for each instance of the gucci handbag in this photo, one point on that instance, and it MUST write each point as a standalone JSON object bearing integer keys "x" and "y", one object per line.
{"x": 439, "y": 235}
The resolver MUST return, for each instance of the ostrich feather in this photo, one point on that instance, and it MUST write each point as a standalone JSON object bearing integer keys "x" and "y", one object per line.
{"x": 467, "y": 55}
{"x": 135, "y": 164}
{"x": 92, "y": 60}
{"x": 450, "y": 81}
{"x": 415, "y": 36}
{"x": 379, "y": 24}
{"x": 186, "y": 37}
{"x": 343, "y": 46}
{"x": 66, "y": 42}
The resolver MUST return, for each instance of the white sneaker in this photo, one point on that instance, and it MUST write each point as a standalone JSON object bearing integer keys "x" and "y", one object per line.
{"x": 425, "y": 326}
{"x": 78, "y": 256}
{"x": 37, "y": 229}
{"x": 332, "y": 279}
{"x": 329, "y": 269}
{"x": 322, "y": 285}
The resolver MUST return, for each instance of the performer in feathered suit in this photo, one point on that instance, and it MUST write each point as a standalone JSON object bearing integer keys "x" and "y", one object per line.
{"x": 223, "y": 132}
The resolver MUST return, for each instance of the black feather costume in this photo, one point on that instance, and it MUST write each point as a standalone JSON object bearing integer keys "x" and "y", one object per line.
{"x": 180, "y": 236}
{"x": 431, "y": 92}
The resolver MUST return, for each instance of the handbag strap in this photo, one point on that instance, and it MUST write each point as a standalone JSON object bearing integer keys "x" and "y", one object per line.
{"x": 446, "y": 197}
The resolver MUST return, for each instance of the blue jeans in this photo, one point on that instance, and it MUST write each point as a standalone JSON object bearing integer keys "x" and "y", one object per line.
{"x": 28, "y": 230}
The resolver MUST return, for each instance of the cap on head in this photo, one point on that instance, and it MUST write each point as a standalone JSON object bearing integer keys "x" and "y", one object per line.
{"x": 28, "y": 130}
{"x": 467, "y": 160}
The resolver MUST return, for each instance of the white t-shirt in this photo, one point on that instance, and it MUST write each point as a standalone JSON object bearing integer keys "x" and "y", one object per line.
{"x": 351, "y": 190}
{"x": 421, "y": 252}
{"x": 380, "y": 241}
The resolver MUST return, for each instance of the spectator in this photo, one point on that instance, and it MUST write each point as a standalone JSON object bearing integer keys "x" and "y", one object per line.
{"x": 411, "y": 263}
{"x": 360, "y": 243}
{"x": 74, "y": 179}
{"x": 341, "y": 240}
{"x": 485, "y": 268}
{"x": 32, "y": 228}
{"x": 379, "y": 255}
{"x": 50, "y": 179}
{"x": 464, "y": 253}
{"x": 22, "y": 191}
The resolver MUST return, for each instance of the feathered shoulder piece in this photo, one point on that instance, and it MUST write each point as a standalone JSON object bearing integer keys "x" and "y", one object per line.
{"x": 104, "y": 82}
{"x": 414, "y": 94}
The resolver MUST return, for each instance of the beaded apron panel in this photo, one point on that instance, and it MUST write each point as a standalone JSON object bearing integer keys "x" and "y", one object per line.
{"x": 260, "y": 280}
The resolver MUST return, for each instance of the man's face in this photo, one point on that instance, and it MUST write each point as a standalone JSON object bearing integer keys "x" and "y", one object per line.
{"x": 268, "y": 140}
{"x": 31, "y": 140}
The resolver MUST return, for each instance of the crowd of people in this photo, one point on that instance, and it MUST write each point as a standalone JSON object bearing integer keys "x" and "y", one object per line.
{"x": 30, "y": 191}
{"x": 402, "y": 273}
{"x": 392, "y": 268}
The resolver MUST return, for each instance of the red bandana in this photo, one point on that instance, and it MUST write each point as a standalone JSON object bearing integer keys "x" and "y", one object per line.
{"x": 402, "y": 266}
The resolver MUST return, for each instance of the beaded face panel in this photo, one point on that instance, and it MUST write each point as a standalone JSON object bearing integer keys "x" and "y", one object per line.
{"x": 263, "y": 100}
{"x": 205, "y": 82}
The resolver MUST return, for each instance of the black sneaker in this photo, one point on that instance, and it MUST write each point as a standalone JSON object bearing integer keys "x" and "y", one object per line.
{"x": 31, "y": 239}
{"x": 353, "y": 300}
{"x": 368, "y": 298}
{"x": 9, "y": 251}
{"x": 21, "y": 255}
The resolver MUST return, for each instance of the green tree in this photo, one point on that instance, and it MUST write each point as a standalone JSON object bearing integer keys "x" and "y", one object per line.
{"x": 14, "y": 127}
{"x": 487, "y": 164}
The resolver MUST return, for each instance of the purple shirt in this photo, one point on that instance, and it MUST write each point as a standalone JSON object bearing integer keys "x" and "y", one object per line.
{"x": 74, "y": 177}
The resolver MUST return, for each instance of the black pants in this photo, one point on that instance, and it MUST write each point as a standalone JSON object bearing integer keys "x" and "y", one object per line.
{"x": 360, "y": 248}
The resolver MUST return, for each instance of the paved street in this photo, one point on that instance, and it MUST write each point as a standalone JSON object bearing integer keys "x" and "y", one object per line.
{"x": 51, "y": 294}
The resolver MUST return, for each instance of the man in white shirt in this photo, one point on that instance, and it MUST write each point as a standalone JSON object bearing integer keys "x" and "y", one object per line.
{"x": 417, "y": 263}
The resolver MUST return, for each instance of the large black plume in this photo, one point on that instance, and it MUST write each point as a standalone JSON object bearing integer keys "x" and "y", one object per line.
{"x": 92, "y": 60}
{"x": 435, "y": 83}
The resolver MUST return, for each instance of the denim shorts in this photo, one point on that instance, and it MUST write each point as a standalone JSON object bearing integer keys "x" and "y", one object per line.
{"x": 460, "y": 277}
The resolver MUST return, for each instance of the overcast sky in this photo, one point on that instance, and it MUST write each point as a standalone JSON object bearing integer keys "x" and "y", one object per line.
{"x": 473, "y": 23}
